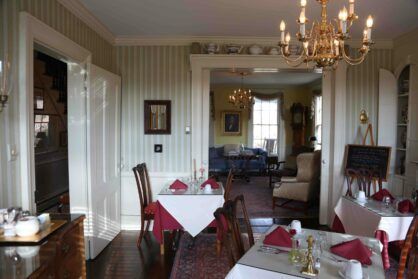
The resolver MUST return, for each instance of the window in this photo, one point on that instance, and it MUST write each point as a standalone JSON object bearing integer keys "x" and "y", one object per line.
{"x": 265, "y": 122}
{"x": 41, "y": 130}
{"x": 318, "y": 121}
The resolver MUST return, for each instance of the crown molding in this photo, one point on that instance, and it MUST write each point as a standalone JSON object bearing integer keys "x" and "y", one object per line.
{"x": 80, "y": 11}
{"x": 187, "y": 40}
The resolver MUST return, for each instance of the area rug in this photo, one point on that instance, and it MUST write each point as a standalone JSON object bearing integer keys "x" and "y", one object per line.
{"x": 199, "y": 261}
{"x": 258, "y": 200}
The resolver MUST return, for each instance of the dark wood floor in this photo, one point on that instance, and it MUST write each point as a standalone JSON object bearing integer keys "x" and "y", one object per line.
{"x": 122, "y": 259}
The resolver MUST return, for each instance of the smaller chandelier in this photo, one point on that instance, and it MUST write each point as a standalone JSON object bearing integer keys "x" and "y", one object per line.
{"x": 242, "y": 97}
{"x": 324, "y": 44}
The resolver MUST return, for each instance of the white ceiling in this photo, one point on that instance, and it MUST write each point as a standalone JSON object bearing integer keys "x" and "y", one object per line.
{"x": 268, "y": 79}
{"x": 258, "y": 18}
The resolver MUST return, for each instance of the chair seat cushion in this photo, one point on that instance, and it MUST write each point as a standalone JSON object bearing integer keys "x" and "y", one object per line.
{"x": 150, "y": 208}
{"x": 299, "y": 191}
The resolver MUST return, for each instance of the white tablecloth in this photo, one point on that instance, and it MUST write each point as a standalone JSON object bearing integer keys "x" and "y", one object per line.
{"x": 194, "y": 211}
{"x": 365, "y": 218}
{"x": 255, "y": 264}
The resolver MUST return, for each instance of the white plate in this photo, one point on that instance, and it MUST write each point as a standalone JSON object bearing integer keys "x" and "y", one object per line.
{"x": 340, "y": 272}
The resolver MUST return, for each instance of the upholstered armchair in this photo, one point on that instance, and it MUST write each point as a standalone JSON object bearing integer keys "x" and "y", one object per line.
{"x": 305, "y": 186}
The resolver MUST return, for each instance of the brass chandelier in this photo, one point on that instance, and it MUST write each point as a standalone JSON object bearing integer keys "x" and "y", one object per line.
{"x": 324, "y": 44}
{"x": 242, "y": 97}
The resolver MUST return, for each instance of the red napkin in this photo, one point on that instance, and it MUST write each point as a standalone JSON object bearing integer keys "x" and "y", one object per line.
{"x": 353, "y": 250}
{"x": 379, "y": 195}
{"x": 212, "y": 182}
{"x": 278, "y": 237}
{"x": 405, "y": 206}
{"x": 178, "y": 185}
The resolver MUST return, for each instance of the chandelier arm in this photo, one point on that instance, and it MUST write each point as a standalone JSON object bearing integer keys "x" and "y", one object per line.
{"x": 295, "y": 65}
{"x": 291, "y": 60}
{"x": 353, "y": 61}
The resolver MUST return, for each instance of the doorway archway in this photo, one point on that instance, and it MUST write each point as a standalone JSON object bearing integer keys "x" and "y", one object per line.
{"x": 333, "y": 135}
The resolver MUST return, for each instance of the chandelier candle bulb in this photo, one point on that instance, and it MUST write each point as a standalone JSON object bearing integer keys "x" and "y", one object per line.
{"x": 337, "y": 47}
{"x": 343, "y": 15}
{"x": 282, "y": 29}
{"x": 369, "y": 24}
{"x": 302, "y": 20}
{"x": 287, "y": 42}
{"x": 365, "y": 35}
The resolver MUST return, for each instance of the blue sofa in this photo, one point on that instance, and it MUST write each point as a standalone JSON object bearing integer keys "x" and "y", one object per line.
{"x": 219, "y": 163}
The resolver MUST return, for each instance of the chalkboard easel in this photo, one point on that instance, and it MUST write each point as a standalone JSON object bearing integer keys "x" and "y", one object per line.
{"x": 374, "y": 158}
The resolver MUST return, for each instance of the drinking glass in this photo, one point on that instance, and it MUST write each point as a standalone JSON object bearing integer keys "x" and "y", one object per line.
{"x": 386, "y": 201}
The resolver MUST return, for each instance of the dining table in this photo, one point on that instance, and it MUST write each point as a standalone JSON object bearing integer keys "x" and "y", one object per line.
{"x": 188, "y": 209}
{"x": 372, "y": 218}
{"x": 259, "y": 262}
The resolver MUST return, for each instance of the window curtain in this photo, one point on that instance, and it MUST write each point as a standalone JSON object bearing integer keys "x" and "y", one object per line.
{"x": 263, "y": 96}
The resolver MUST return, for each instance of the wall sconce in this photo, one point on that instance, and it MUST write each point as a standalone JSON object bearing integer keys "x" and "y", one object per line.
{"x": 4, "y": 82}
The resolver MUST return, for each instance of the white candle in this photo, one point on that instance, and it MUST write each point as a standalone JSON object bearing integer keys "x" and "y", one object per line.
{"x": 369, "y": 34}
{"x": 337, "y": 47}
{"x": 369, "y": 24}
{"x": 302, "y": 20}
{"x": 351, "y": 7}
{"x": 282, "y": 29}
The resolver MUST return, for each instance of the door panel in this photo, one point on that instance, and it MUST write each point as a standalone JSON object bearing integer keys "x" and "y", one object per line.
{"x": 103, "y": 139}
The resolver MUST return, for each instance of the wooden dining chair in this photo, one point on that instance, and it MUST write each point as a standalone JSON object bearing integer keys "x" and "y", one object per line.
{"x": 145, "y": 199}
{"x": 408, "y": 259}
{"x": 350, "y": 177}
{"x": 236, "y": 240}
{"x": 365, "y": 179}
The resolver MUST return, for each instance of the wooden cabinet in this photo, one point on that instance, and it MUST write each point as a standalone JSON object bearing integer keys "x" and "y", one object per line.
{"x": 60, "y": 256}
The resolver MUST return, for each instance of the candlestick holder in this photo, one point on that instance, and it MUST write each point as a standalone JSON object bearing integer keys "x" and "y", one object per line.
{"x": 310, "y": 269}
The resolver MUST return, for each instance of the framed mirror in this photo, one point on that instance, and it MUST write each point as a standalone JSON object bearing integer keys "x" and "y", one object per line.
{"x": 157, "y": 117}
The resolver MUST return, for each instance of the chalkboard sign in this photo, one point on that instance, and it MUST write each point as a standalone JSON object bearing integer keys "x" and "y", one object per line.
{"x": 373, "y": 158}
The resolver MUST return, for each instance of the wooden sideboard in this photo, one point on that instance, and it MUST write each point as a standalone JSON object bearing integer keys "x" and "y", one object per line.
{"x": 61, "y": 255}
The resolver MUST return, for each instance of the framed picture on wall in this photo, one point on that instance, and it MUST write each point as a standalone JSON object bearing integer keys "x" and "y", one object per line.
{"x": 157, "y": 117}
{"x": 231, "y": 123}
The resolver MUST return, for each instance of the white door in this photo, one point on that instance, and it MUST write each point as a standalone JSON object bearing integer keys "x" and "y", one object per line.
{"x": 103, "y": 159}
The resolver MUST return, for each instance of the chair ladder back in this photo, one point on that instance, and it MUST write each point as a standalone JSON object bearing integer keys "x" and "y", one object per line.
{"x": 350, "y": 176}
{"x": 365, "y": 178}
{"x": 240, "y": 199}
{"x": 228, "y": 185}
{"x": 140, "y": 188}
{"x": 144, "y": 177}
{"x": 410, "y": 250}
{"x": 222, "y": 217}
{"x": 236, "y": 228}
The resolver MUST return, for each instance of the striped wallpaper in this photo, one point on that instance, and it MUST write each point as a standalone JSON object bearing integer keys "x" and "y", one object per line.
{"x": 363, "y": 91}
{"x": 58, "y": 17}
{"x": 152, "y": 73}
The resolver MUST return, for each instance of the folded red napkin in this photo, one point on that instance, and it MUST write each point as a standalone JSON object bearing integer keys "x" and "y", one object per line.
{"x": 405, "y": 206}
{"x": 212, "y": 182}
{"x": 379, "y": 195}
{"x": 278, "y": 237}
{"x": 353, "y": 250}
{"x": 178, "y": 185}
